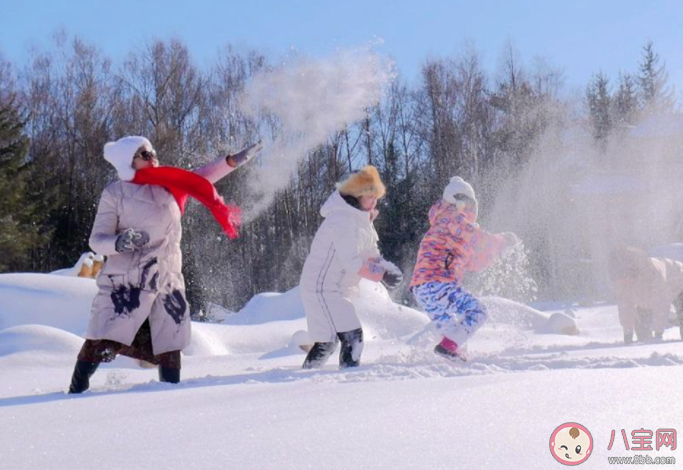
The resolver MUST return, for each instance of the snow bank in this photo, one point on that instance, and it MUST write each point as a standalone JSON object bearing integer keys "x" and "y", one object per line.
{"x": 514, "y": 313}
{"x": 62, "y": 302}
{"x": 268, "y": 307}
{"x": 271, "y": 324}
{"x": 210, "y": 339}
{"x": 38, "y": 338}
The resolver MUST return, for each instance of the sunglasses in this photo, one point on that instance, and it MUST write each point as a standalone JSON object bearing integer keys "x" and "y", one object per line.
{"x": 146, "y": 155}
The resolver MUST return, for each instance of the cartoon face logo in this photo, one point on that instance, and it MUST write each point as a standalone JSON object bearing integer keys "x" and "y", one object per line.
{"x": 571, "y": 444}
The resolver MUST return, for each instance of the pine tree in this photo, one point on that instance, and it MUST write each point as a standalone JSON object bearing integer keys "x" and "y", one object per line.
{"x": 655, "y": 94}
{"x": 17, "y": 231}
{"x": 625, "y": 102}
{"x": 599, "y": 106}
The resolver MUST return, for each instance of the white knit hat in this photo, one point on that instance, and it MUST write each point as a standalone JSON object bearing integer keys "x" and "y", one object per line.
{"x": 457, "y": 185}
{"x": 120, "y": 154}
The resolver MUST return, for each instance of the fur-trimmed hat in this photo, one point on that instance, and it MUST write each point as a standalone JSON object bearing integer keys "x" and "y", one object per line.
{"x": 456, "y": 186}
{"x": 364, "y": 182}
{"x": 120, "y": 154}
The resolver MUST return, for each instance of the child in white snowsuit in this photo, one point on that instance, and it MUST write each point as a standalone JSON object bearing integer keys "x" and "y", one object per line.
{"x": 343, "y": 251}
{"x": 453, "y": 245}
{"x": 645, "y": 288}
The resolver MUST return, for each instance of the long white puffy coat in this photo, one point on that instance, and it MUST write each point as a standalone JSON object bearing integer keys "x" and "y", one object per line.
{"x": 344, "y": 241}
{"x": 145, "y": 283}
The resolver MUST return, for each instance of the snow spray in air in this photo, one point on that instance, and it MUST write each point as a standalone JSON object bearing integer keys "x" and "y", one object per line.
{"x": 311, "y": 99}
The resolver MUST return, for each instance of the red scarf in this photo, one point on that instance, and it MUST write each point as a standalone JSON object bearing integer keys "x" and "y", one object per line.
{"x": 182, "y": 183}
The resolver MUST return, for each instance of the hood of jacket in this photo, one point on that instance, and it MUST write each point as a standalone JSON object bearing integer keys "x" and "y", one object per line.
{"x": 336, "y": 203}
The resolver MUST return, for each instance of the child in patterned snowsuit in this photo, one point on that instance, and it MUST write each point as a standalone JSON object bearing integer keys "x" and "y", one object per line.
{"x": 453, "y": 245}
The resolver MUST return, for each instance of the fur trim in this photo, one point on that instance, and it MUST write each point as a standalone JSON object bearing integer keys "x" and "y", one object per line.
{"x": 365, "y": 182}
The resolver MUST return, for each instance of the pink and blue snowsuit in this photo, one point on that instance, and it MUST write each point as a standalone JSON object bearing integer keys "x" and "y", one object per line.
{"x": 453, "y": 245}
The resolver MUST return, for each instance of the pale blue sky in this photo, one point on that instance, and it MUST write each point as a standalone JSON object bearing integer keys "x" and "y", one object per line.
{"x": 579, "y": 36}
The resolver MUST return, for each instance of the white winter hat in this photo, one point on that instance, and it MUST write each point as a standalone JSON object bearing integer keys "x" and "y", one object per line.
{"x": 457, "y": 185}
{"x": 120, "y": 154}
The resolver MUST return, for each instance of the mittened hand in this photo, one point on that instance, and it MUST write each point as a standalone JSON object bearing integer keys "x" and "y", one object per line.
{"x": 140, "y": 239}
{"x": 393, "y": 277}
{"x": 130, "y": 240}
{"x": 372, "y": 270}
{"x": 245, "y": 155}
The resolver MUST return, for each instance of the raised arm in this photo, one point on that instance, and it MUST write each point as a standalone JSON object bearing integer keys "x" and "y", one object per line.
{"x": 223, "y": 166}
{"x": 489, "y": 246}
{"x": 216, "y": 170}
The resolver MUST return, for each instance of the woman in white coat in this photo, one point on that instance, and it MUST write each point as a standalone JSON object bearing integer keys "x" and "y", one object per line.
{"x": 140, "y": 309}
{"x": 343, "y": 251}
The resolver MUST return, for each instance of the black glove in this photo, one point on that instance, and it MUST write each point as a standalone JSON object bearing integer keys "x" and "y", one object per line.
{"x": 393, "y": 277}
{"x": 131, "y": 240}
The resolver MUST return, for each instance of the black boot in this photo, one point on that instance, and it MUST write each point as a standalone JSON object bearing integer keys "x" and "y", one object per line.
{"x": 80, "y": 381}
{"x": 169, "y": 374}
{"x": 319, "y": 354}
{"x": 351, "y": 348}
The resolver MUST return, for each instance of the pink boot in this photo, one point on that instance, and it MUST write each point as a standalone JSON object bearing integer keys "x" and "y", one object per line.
{"x": 448, "y": 349}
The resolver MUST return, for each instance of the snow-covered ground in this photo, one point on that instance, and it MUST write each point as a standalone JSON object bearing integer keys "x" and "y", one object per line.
{"x": 244, "y": 402}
